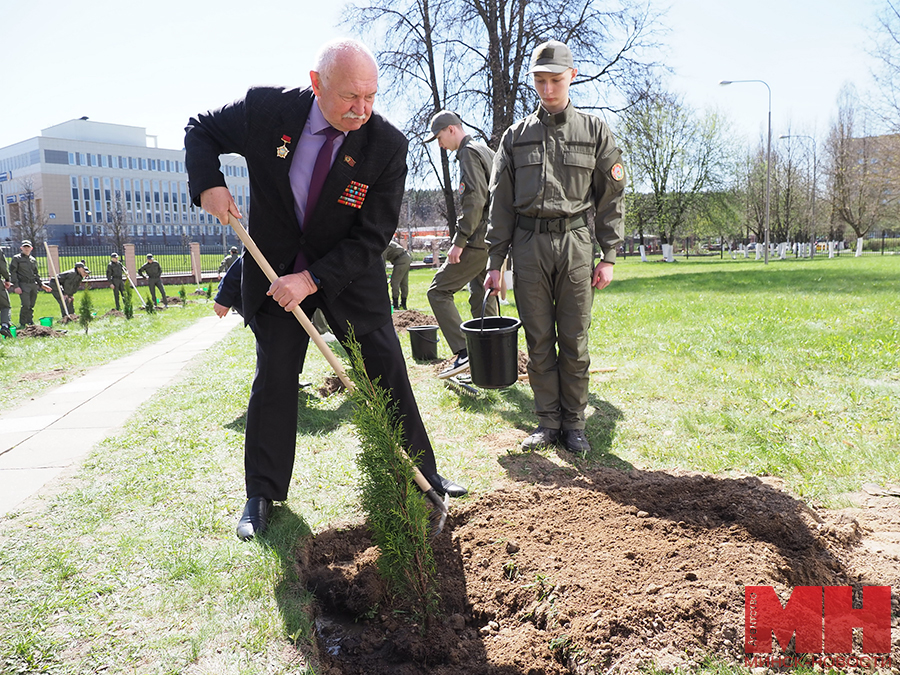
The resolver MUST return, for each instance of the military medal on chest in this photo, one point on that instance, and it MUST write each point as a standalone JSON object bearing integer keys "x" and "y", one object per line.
{"x": 282, "y": 150}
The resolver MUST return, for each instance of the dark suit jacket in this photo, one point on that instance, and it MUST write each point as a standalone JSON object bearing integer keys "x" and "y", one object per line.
{"x": 342, "y": 243}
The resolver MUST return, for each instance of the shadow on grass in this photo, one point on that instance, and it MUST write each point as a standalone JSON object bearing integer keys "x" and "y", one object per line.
{"x": 311, "y": 416}
{"x": 286, "y": 532}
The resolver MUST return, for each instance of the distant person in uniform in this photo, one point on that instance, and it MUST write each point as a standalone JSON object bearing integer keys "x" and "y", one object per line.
{"x": 400, "y": 260}
{"x": 70, "y": 281}
{"x": 5, "y": 306}
{"x": 26, "y": 281}
{"x": 552, "y": 170}
{"x": 229, "y": 260}
{"x": 115, "y": 272}
{"x": 467, "y": 258}
{"x": 153, "y": 271}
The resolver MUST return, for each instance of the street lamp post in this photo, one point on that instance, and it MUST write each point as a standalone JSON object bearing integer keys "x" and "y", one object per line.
{"x": 812, "y": 202}
{"x": 768, "y": 158}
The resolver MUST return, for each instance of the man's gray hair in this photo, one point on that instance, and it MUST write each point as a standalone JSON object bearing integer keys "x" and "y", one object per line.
{"x": 333, "y": 50}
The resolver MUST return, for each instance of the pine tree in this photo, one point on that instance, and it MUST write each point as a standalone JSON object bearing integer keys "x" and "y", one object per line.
{"x": 85, "y": 311}
{"x": 395, "y": 507}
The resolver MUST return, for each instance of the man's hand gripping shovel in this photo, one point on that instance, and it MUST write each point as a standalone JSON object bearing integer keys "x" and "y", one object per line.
{"x": 441, "y": 509}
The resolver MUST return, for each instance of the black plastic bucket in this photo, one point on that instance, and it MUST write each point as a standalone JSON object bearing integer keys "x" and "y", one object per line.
{"x": 423, "y": 340}
{"x": 493, "y": 346}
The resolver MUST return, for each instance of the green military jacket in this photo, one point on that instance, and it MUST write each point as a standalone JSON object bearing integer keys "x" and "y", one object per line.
{"x": 4, "y": 276}
{"x": 115, "y": 270}
{"x": 4, "y": 268}
{"x": 70, "y": 280}
{"x": 227, "y": 262}
{"x": 23, "y": 269}
{"x": 394, "y": 252}
{"x": 475, "y": 161}
{"x": 152, "y": 270}
{"x": 556, "y": 166}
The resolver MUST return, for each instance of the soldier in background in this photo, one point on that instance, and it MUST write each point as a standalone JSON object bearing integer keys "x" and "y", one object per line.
{"x": 153, "y": 271}
{"x": 228, "y": 261}
{"x": 467, "y": 258}
{"x": 25, "y": 280}
{"x": 114, "y": 275}
{"x": 70, "y": 281}
{"x": 5, "y": 307}
{"x": 401, "y": 260}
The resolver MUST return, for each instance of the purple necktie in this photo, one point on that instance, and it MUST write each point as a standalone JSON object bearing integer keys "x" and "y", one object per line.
{"x": 320, "y": 171}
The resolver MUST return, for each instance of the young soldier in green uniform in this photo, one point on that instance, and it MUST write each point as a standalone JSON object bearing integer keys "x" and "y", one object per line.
{"x": 228, "y": 261}
{"x": 152, "y": 270}
{"x": 552, "y": 168}
{"x": 26, "y": 280}
{"x": 468, "y": 255}
{"x": 115, "y": 276}
{"x": 5, "y": 307}
{"x": 401, "y": 260}
{"x": 70, "y": 280}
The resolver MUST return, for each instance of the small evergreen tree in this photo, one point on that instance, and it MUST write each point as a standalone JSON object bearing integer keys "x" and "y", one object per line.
{"x": 183, "y": 295}
{"x": 128, "y": 303}
{"x": 208, "y": 290}
{"x": 85, "y": 311}
{"x": 396, "y": 510}
{"x": 149, "y": 307}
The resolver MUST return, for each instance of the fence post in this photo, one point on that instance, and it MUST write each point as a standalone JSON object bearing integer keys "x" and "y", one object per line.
{"x": 54, "y": 257}
{"x": 882, "y": 241}
{"x": 130, "y": 263}
{"x": 195, "y": 262}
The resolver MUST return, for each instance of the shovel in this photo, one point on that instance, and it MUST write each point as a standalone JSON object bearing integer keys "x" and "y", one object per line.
{"x": 440, "y": 505}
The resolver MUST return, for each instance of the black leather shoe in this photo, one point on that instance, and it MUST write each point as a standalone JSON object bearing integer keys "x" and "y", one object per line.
{"x": 255, "y": 518}
{"x": 443, "y": 486}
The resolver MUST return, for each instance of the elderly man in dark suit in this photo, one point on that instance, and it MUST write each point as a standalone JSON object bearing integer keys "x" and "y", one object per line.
{"x": 327, "y": 177}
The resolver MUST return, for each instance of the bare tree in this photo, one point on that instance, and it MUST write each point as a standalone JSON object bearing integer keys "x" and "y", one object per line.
{"x": 885, "y": 47}
{"x": 472, "y": 56}
{"x": 27, "y": 214}
{"x": 118, "y": 229}
{"x": 677, "y": 153}
{"x": 861, "y": 172}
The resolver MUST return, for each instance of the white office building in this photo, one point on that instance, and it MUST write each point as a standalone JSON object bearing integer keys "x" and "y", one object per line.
{"x": 76, "y": 176}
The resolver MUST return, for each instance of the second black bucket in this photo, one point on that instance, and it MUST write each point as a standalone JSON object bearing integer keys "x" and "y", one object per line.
{"x": 493, "y": 346}
{"x": 423, "y": 340}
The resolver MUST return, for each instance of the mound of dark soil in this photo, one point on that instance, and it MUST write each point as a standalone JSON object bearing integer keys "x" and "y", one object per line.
{"x": 411, "y": 317}
{"x": 40, "y": 331}
{"x": 591, "y": 573}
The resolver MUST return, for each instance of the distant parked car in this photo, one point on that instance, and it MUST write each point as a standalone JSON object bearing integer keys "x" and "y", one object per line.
{"x": 429, "y": 259}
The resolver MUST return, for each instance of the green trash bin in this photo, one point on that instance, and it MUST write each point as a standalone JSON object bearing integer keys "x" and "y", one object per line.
{"x": 47, "y": 321}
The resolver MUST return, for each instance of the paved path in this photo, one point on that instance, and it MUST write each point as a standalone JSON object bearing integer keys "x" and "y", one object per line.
{"x": 45, "y": 436}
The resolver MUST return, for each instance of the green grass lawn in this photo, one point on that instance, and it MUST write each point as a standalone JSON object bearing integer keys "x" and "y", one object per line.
{"x": 787, "y": 370}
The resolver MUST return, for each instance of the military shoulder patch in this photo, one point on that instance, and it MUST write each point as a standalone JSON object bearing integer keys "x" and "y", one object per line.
{"x": 617, "y": 172}
{"x": 462, "y": 187}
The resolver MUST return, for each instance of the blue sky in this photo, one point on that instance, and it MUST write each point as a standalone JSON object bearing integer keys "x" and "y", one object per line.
{"x": 155, "y": 64}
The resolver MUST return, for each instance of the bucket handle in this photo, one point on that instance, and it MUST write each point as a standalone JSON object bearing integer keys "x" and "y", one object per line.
{"x": 487, "y": 294}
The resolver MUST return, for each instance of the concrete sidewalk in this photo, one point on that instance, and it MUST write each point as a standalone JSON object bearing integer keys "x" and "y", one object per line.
{"x": 45, "y": 436}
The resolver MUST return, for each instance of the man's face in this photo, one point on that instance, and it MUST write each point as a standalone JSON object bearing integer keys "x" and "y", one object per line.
{"x": 553, "y": 89}
{"x": 26, "y": 250}
{"x": 346, "y": 98}
{"x": 82, "y": 271}
{"x": 447, "y": 139}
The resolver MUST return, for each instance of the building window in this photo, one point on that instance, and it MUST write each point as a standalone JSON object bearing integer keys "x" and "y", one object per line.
{"x": 71, "y": 158}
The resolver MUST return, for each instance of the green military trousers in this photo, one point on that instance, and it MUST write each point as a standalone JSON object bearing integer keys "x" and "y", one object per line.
{"x": 28, "y": 297}
{"x": 471, "y": 269}
{"x": 552, "y": 273}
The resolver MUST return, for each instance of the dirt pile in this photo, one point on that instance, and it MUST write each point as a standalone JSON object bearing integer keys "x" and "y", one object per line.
{"x": 118, "y": 314}
{"x": 411, "y": 317}
{"x": 598, "y": 572}
{"x": 40, "y": 331}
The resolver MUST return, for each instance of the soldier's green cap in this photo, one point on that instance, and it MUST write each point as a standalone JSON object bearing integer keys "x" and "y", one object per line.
{"x": 441, "y": 121}
{"x": 113, "y": 255}
{"x": 149, "y": 255}
{"x": 81, "y": 264}
{"x": 25, "y": 242}
{"x": 552, "y": 56}
{"x": 234, "y": 249}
